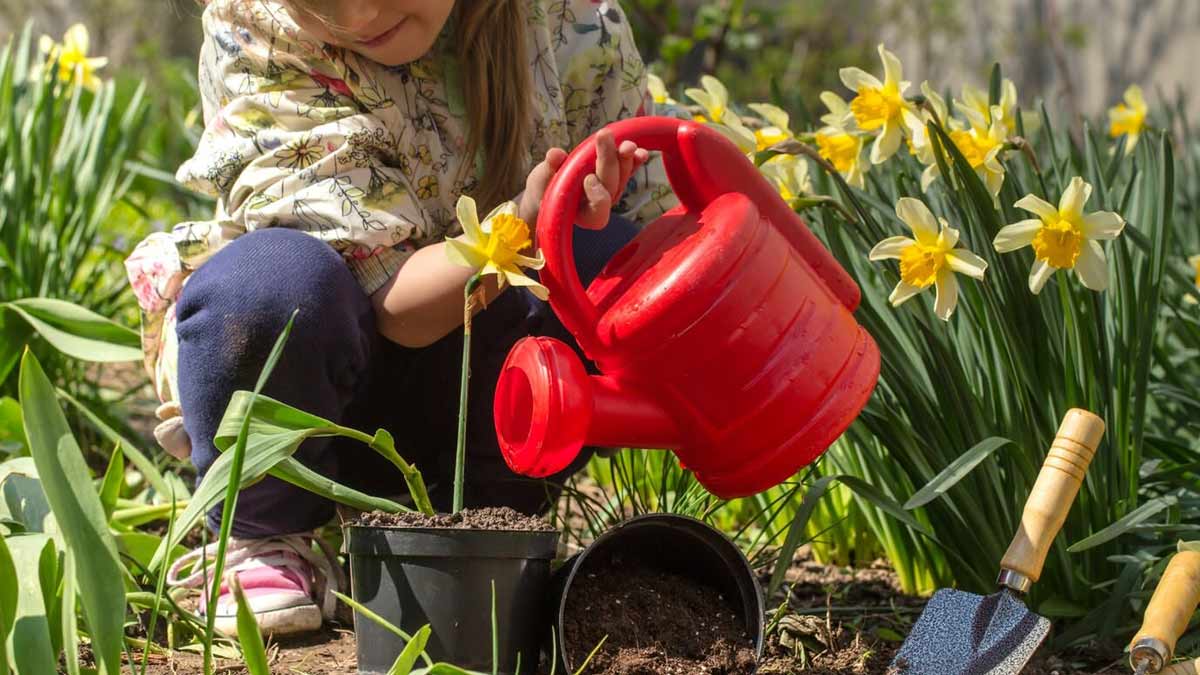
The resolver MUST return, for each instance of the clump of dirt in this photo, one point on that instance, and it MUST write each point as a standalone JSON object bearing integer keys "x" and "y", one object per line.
{"x": 491, "y": 518}
{"x": 656, "y": 623}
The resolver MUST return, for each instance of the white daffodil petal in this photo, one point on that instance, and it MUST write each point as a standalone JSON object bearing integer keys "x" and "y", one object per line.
{"x": 892, "y": 71}
{"x": 1102, "y": 225}
{"x": 919, "y": 218}
{"x": 902, "y": 292}
{"x": 1039, "y": 274}
{"x": 77, "y": 38}
{"x": 1074, "y": 197}
{"x": 468, "y": 217}
{"x": 1038, "y": 206}
{"x": 887, "y": 143}
{"x": 1017, "y": 235}
{"x": 463, "y": 254}
{"x": 773, "y": 114}
{"x": 1091, "y": 267}
{"x": 702, "y": 98}
{"x": 929, "y": 175}
{"x": 966, "y": 263}
{"x": 857, "y": 79}
{"x": 947, "y": 295}
{"x": 1194, "y": 261}
{"x": 528, "y": 263}
{"x": 948, "y": 237}
{"x": 834, "y": 103}
{"x": 715, "y": 88}
{"x": 518, "y": 279}
{"x": 890, "y": 248}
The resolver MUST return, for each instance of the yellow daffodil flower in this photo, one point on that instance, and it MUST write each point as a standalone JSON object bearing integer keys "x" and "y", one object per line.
{"x": 658, "y": 90}
{"x": 714, "y": 98}
{"x": 778, "y": 127}
{"x": 1063, "y": 237}
{"x": 980, "y": 144}
{"x": 789, "y": 175}
{"x": 1005, "y": 111}
{"x": 494, "y": 246}
{"x": 928, "y": 258}
{"x": 1194, "y": 262}
{"x": 838, "y": 143}
{"x": 74, "y": 65}
{"x": 880, "y": 105}
{"x": 1128, "y": 118}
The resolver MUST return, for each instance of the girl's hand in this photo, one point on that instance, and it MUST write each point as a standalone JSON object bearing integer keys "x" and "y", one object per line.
{"x": 601, "y": 189}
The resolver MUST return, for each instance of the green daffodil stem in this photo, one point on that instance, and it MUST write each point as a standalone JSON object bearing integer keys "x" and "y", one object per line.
{"x": 460, "y": 456}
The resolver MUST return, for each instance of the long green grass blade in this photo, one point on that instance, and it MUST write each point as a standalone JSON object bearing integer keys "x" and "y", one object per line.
{"x": 78, "y": 511}
{"x": 254, "y": 654}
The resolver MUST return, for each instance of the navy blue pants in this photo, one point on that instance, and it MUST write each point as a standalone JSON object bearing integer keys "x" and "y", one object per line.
{"x": 337, "y": 365}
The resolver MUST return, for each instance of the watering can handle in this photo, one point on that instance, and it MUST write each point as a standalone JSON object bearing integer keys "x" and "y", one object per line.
{"x": 702, "y": 165}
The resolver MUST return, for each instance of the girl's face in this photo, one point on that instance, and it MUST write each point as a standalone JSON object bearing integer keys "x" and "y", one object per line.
{"x": 390, "y": 32}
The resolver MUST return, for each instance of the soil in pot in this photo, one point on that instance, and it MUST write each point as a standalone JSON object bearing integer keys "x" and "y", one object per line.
{"x": 490, "y": 518}
{"x": 657, "y": 623}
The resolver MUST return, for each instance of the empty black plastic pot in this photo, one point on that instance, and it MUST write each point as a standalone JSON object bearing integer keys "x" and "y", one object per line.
{"x": 444, "y": 577}
{"x": 676, "y": 544}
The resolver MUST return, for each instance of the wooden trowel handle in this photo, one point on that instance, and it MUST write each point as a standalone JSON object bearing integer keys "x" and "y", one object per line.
{"x": 1053, "y": 493}
{"x": 1171, "y": 607}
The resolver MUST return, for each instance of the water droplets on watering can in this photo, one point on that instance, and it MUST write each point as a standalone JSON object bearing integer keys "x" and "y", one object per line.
{"x": 723, "y": 332}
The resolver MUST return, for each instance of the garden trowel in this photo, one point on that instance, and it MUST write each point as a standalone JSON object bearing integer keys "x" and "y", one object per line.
{"x": 962, "y": 633}
{"x": 1167, "y": 616}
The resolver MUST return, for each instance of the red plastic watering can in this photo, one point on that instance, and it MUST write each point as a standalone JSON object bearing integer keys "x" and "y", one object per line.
{"x": 723, "y": 331}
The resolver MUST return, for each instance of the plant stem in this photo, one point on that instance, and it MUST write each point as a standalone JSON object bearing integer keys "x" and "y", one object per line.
{"x": 460, "y": 456}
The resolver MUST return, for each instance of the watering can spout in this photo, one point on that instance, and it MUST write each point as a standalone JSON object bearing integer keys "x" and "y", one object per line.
{"x": 547, "y": 408}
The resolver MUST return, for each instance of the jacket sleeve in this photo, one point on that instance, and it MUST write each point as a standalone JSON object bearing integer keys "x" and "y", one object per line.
{"x": 289, "y": 144}
{"x": 604, "y": 80}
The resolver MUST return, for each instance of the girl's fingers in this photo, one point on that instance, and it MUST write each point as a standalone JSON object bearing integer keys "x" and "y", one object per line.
{"x": 608, "y": 164}
{"x": 626, "y": 152}
{"x": 593, "y": 214}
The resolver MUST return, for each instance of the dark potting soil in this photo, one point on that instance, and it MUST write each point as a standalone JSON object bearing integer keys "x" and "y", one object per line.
{"x": 490, "y": 518}
{"x": 657, "y": 623}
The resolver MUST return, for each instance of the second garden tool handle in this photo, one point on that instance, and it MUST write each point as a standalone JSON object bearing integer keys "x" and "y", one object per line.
{"x": 1170, "y": 609}
{"x": 1053, "y": 493}
{"x": 1183, "y": 668}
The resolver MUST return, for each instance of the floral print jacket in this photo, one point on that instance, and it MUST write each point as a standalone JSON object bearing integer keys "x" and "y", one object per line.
{"x": 304, "y": 135}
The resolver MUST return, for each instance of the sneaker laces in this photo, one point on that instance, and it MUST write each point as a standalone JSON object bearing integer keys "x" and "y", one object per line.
{"x": 291, "y": 552}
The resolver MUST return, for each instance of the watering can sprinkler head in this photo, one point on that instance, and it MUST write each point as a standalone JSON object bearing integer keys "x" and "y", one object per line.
{"x": 724, "y": 331}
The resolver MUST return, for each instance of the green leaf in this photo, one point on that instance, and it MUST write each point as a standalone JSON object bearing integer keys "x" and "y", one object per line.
{"x": 796, "y": 531}
{"x": 78, "y": 512}
{"x": 78, "y": 332}
{"x": 12, "y": 429}
{"x": 956, "y": 471}
{"x": 8, "y": 601}
{"x": 29, "y": 647}
{"x": 1135, "y": 517}
{"x": 22, "y": 498}
{"x": 412, "y": 651}
{"x": 250, "y": 638}
{"x": 14, "y": 334}
{"x": 114, "y": 478}
{"x": 139, "y": 459}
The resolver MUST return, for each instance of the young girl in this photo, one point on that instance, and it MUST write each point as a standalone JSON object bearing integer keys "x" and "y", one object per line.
{"x": 339, "y": 136}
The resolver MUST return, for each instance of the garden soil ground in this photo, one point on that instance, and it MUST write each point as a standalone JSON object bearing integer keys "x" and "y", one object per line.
{"x": 842, "y": 622}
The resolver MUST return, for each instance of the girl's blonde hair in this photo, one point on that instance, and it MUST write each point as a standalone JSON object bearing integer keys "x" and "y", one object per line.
{"x": 491, "y": 43}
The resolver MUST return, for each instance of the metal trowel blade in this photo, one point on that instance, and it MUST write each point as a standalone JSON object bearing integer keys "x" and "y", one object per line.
{"x": 966, "y": 634}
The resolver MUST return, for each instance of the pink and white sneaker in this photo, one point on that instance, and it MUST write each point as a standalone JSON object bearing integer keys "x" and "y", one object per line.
{"x": 283, "y": 578}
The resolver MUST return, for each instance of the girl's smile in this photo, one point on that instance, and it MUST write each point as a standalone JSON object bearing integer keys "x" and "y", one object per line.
{"x": 381, "y": 39}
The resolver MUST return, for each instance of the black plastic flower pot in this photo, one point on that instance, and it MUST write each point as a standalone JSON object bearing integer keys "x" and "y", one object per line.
{"x": 672, "y": 543}
{"x": 444, "y": 577}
